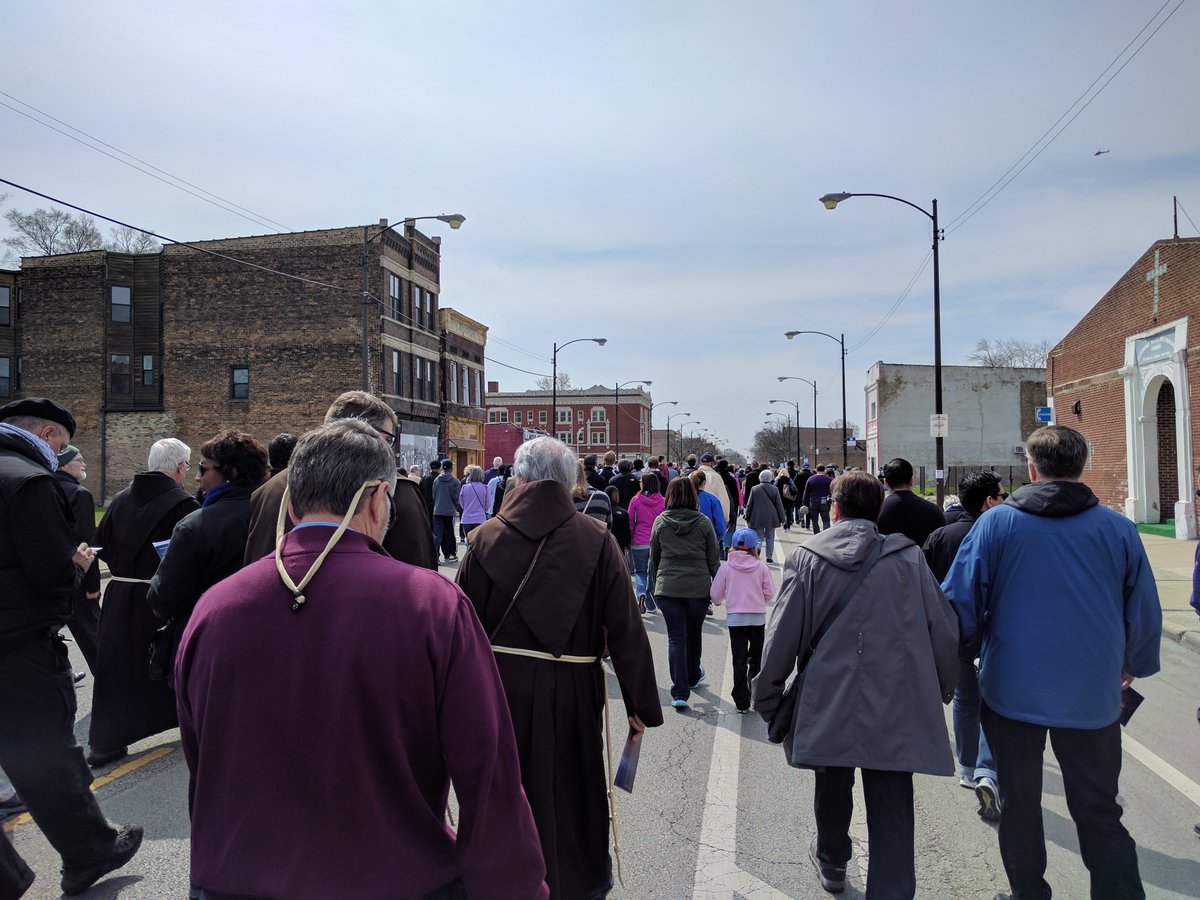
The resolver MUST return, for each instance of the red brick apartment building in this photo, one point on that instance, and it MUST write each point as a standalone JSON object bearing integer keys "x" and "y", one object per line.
{"x": 1126, "y": 377}
{"x": 187, "y": 343}
{"x": 587, "y": 419}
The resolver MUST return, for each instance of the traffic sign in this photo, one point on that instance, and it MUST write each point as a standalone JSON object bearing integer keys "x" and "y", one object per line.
{"x": 1044, "y": 414}
{"x": 938, "y": 425}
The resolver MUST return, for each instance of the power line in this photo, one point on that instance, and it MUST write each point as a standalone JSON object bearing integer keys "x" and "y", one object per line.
{"x": 513, "y": 346}
{"x": 227, "y": 205}
{"x": 1006, "y": 179}
{"x": 899, "y": 300}
{"x": 1186, "y": 216}
{"x": 514, "y": 368}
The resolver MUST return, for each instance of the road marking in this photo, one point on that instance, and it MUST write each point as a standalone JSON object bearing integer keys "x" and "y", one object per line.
{"x": 118, "y": 772}
{"x": 1162, "y": 769}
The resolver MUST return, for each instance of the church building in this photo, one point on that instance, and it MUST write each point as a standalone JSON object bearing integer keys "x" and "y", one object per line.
{"x": 1124, "y": 377}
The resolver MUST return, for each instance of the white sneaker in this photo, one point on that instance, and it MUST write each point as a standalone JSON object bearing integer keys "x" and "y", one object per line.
{"x": 968, "y": 782}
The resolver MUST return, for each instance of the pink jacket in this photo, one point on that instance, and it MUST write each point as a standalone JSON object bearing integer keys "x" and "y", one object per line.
{"x": 745, "y": 581}
{"x": 643, "y": 510}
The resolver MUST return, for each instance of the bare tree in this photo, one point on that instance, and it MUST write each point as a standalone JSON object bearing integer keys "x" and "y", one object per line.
{"x": 851, "y": 428}
{"x": 49, "y": 231}
{"x": 773, "y": 443}
{"x": 1010, "y": 352}
{"x": 129, "y": 240}
{"x": 544, "y": 383}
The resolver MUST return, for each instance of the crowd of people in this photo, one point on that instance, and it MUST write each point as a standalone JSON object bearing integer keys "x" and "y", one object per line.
{"x": 292, "y": 604}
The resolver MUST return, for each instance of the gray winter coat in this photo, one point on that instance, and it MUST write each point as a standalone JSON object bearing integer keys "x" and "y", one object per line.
{"x": 874, "y": 686}
{"x": 684, "y": 554}
{"x": 445, "y": 495}
{"x": 764, "y": 507}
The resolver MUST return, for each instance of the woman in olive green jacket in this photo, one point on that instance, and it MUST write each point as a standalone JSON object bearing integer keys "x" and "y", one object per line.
{"x": 684, "y": 555}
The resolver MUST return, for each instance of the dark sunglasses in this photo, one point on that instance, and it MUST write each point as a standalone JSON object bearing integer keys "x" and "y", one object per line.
{"x": 205, "y": 469}
{"x": 1002, "y": 495}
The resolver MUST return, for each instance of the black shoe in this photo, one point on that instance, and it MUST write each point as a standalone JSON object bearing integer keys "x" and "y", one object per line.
{"x": 99, "y": 758}
{"x": 1198, "y": 828}
{"x": 13, "y": 806}
{"x": 989, "y": 800}
{"x": 833, "y": 878}
{"x": 78, "y": 676}
{"x": 129, "y": 839}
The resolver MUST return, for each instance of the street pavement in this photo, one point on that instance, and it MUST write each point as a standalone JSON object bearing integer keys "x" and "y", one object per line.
{"x": 717, "y": 813}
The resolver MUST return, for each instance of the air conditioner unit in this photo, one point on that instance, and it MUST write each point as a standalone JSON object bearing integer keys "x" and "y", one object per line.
{"x": 1019, "y": 449}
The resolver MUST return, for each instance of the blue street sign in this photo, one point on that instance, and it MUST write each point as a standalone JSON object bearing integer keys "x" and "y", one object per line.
{"x": 1043, "y": 414}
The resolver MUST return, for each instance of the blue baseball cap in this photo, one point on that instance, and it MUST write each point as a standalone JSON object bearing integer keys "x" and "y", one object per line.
{"x": 745, "y": 539}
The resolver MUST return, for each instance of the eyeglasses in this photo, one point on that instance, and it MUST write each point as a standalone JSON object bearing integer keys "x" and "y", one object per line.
{"x": 187, "y": 465}
{"x": 1002, "y": 495}
{"x": 206, "y": 469}
{"x": 391, "y": 438}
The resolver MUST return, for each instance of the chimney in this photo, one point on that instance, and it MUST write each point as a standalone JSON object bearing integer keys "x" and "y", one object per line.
{"x": 383, "y": 223}
{"x": 493, "y": 387}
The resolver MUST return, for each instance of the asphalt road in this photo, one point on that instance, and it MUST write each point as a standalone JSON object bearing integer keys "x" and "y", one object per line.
{"x": 716, "y": 812}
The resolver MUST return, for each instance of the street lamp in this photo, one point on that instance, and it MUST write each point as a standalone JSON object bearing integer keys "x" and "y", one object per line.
{"x": 652, "y": 409}
{"x": 554, "y": 378}
{"x": 831, "y": 201}
{"x": 783, "y": 378}
{"x": 786, "y": 419}
{"x": 841, "y": 341}
{"x": 617, "y": 413}
{"x": 454, "y": 220}
{"x": 669, "y": 418}
{"x": 795, "y": 403}
{"x": 681, "y": 424}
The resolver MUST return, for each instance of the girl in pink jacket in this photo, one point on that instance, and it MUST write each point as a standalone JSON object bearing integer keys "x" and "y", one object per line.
{"x": 745, "y": 581}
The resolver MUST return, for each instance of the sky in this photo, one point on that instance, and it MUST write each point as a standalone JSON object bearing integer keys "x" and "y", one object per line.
{"x": 648, "y": 172}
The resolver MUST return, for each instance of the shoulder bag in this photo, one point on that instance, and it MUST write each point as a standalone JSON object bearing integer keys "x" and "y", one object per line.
{"x": 780, "y": 725}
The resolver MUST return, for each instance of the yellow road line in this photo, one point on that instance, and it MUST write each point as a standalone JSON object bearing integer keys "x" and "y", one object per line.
{"x": 118, "y": 772}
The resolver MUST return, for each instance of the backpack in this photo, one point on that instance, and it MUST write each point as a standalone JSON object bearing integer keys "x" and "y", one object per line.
{"x": 499, "y": 495}
{"x": 789, "y": 490}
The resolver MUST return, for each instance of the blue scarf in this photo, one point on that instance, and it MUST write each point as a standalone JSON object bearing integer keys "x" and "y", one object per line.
{"x": 214, "y": 493}
{"x": 49, "y": 457}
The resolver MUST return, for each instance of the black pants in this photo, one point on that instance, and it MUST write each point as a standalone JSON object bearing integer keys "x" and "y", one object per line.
{"x": 85, "y": 629}
{"x": 443, "y": 535}
{"x": 684, "y": 617}
{"x": 891, "y": 871}
{"x": 39, "y": 753}
{"x": 1090, "y": 760}
{"x": 745, "y": 643}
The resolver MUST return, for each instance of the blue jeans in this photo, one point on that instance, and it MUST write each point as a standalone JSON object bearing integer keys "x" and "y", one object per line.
{"x": 766, "y": 537}
{"x": 970, "y": 743}
{"x": 641, "y": 574}
{"x": 685, "y": 628}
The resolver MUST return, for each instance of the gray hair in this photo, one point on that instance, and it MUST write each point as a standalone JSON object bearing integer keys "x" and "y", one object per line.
{"x": 474, "y": 473}
{"x": 545, "y": 459}
{"x": 1057, "y": 451}
{"x": 167, "y": 454}
{"x": 331, "y": 463}
{"x": 765, "y": 475}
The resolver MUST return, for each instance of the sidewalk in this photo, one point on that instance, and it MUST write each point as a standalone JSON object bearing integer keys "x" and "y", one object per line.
{"x": 1172, "y": 562}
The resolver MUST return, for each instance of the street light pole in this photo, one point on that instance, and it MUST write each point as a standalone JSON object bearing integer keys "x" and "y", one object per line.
{"x": 652, "y": 409}
{"x": 617, "y": 413}
{"x": 814, "y": 387}
{"x": 554, "y": 379}
{"x": 681, "y": 424}
{"x": 669, "y": 432}
{"x": 795, "y": 403}
{"x": 831, "y": 201}
{"x": 454, "y": 220}
{"x": 841, "y": 341}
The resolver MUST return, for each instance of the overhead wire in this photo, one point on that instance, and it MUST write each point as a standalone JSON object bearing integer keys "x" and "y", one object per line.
{"x": 895, "y": 306}
{"x": 224, "y": 204}
{"x": 1186, "y": 216}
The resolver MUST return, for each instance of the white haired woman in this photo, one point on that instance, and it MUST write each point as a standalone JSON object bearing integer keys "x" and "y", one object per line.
{"x": 765, "y": 511}
{"x": 474, "y": 499}
{"x": 550, "y": 586}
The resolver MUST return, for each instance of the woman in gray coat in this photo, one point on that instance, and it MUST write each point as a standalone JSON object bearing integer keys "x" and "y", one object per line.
{"x": 872, "y": 686}
{"x": 765, "y": 512}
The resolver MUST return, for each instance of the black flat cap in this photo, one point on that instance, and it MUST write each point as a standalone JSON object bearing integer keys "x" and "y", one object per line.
{"x": 41, "y": 408}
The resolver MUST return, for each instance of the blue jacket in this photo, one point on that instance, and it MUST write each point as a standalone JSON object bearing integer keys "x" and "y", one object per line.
{"x": 1062, "y": 595}
{"x": 711, "y": 507}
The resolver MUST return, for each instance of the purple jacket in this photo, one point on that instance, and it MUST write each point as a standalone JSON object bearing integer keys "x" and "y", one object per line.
{"x": 386, "y": 674}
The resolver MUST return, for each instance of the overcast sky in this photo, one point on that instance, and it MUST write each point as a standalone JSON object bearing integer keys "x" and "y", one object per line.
{"x": 649, "y": 171}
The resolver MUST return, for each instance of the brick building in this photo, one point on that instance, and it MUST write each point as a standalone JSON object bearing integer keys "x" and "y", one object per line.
{"x": 990, "y": 411}
{"x": 1123, "y": 377}
{"x": 587, "y": 419}
{"x": 463, "y": 344}
{"x": 188, "y": 342}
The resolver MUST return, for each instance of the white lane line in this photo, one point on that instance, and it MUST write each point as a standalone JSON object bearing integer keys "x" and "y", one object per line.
{"x": 1162, "y": 769}
{"x": 717, "y": 874}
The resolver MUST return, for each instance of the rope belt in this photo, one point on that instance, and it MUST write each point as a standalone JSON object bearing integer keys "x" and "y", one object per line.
{"x": 612, "y": 800}
{"x": 129, "y": 580}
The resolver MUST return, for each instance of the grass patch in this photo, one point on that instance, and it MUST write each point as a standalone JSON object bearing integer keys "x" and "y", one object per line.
{"x": 1166, "y": 528}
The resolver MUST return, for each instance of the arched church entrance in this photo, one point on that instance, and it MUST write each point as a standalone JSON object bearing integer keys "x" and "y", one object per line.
{"x": 1168, "y": 464}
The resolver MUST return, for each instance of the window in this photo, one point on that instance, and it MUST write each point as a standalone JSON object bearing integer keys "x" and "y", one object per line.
{"x": 497, "y": 415}
{"x": 396, "y": 373}
{"x": 239, "y": 383}
{"x": 562, "y": 417}
{"x": 453, "y": 382}
{"x": 479, "y": 390}
{"x": 598, "y": 414}
{"x": 5, "y": 306}
{"x": 542, "y": 417}
{"x": 418, "y": 385}
{"x": 148, "y": 370}
{"x": 564, "y": 436}
{"x": 466, "y": 386}
{"x": 5, "y": 376}
{"x": 872, "y": 416}
{"x": 580, "y": 415}
{"x": 597, "y": 437}
{"x": 517, "y": 417}
{"x": 431, "y": 310}
{"x": 122, "y": 300}
{"x": 394, "y": 295}
{"x": 430, "y": 394}
{"x": 119, "y": 373}
{"x": 418, "y": 308}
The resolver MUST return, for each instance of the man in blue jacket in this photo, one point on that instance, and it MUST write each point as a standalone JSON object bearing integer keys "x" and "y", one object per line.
{"x": 1060, "y": 593}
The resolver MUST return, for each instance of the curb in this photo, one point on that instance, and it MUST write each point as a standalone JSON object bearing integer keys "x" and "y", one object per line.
{"x": 1185, "y": 637}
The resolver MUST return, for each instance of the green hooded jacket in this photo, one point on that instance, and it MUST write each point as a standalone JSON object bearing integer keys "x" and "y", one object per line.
{"x": 684, "y": 554}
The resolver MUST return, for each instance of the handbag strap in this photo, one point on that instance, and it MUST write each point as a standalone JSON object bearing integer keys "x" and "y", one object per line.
{"x": 842, "y": 601}
{"x": 520, "y": 587}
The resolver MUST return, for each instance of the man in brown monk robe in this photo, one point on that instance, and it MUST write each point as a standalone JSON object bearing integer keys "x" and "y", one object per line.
{"x": 550, "y": 586}
{"x": 408, "y": 540}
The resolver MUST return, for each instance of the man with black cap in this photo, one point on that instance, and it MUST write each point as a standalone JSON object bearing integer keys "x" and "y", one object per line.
{"x": 85, "y": 616}
{"x": 594, "y": 478}
{"x": 40, "y": 569}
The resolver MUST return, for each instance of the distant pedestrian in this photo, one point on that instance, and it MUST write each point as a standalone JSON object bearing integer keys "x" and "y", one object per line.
{"x": 621, "y": 530}
{"x": 746, "y": 583}
{"x": 85, "y": 617}
{"x": 816, "y": 497}
{"x": 788, "y": 495}
{"x": 594, "y": 478}
{"x": 1058, "y": 594}
{"x": 644, "y": 509}
{"x": 765, "y": 512}
{"x": 446, "y": 506}
{"x": 626, "y": 483}
{"x": 279, "y": 451}
{"x": 473, "y": 498}
{"x": 589, "y": 500}
{"x": 903, "y": 511}
{"x": 708, "y": 503}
